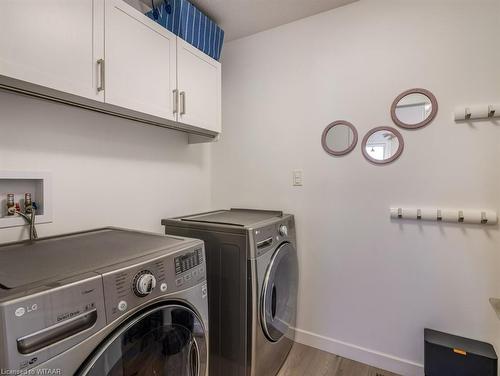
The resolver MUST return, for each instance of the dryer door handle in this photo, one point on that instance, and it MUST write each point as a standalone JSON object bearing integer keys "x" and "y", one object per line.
{"x": 56, "y": 333}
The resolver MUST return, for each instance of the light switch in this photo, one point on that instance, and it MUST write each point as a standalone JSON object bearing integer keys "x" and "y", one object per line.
{"x": 297, "y": 178}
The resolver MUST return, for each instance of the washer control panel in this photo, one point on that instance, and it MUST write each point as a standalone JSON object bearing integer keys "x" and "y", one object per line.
{"x": 188, "y": 261}
{"x": 191, "y": 275}
{"x": 152, "y": 277}
{"x": 189, "y": 266}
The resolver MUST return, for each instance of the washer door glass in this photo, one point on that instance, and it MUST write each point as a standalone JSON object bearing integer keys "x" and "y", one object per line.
{"x": 279, "y": 293}
{"x": 164, "y": 341}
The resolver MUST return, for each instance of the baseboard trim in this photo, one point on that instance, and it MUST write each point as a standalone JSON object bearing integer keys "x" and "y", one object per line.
{"x": 371, "y": 357}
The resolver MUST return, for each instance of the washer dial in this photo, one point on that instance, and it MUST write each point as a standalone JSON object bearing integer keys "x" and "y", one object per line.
{"x": 144, "y": 283}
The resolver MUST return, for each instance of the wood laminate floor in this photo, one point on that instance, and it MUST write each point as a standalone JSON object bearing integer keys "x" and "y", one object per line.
{"x": 307, "y": 361}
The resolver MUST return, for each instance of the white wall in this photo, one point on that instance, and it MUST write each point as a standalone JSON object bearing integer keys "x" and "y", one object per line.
{"x": 368, "y": 285}
{"x": 105, "y": 170}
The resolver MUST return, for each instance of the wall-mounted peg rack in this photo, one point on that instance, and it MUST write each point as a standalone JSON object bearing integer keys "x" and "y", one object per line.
{"x": 485, "y": 111}
{"x": 478, "y": 217}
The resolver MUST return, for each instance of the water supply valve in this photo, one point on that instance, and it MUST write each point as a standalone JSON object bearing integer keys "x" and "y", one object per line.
{"x": 11, "y": 206}
{"x": 28, "y": 204}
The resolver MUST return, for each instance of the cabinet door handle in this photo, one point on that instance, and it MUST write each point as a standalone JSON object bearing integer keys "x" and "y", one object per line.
{"x": 100, "y": 65}
{"x": 183, "y": 102}
{"x": 176, "y": 101}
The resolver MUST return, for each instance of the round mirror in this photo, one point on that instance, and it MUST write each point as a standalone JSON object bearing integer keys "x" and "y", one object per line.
{"x": 382, "y": 145}
{"x": 339, "y": 138}
{"x": 414, "y": 108}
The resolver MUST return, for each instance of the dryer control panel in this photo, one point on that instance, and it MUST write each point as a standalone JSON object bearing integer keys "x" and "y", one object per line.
{"x": 151, "y": 278}
{"x": 268, "y": 237}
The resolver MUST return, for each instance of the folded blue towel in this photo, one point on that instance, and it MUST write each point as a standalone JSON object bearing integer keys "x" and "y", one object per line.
{"x": 186, "y": 21}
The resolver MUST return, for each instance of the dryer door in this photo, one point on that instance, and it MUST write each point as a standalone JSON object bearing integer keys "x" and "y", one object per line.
{"x": 166, "y": 340}
{"x": 279, "y": 293}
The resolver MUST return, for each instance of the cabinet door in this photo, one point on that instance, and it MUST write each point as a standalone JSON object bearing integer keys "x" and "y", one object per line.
{"x": 53, "y": 43}
{"x": 199, "y": 83}
{"x": 140, "y": 62}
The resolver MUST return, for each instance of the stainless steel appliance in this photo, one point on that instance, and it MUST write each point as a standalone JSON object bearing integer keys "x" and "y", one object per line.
{"x": 104, "y": 302}
{"x": 252, "y": 282}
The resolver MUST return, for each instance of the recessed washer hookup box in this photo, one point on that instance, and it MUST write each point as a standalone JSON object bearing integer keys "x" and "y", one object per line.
{"x": 449, "y": 355}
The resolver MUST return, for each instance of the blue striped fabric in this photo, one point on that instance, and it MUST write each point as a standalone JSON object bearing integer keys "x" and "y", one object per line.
{"x": 186, "y": 21}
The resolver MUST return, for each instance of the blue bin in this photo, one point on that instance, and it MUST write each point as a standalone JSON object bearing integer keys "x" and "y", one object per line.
{"x": 186, "y": 21}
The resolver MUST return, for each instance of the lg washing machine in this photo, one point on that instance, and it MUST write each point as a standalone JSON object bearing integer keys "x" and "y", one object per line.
{"x": 104, "y": 302}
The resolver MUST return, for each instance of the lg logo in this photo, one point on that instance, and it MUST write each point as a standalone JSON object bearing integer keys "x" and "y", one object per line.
{"x": 21, "y": 311}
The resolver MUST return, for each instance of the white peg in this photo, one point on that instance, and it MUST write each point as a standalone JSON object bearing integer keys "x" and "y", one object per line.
{"x": 477, "y": 112}
{"x": 461, "y": 217}
{"x": 468, "y": 114}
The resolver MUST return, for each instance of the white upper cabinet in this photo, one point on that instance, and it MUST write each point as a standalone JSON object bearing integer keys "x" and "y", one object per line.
{"x": 54, "y": 43}
{"x": 111, "y": 53}
{"x": 140, "y": 64}
{"x": 199, "y": 85}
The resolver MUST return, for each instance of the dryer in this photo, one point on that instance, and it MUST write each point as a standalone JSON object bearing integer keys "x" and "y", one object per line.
{"x": 104, "y": 302}
{"x": 252, "y": 281}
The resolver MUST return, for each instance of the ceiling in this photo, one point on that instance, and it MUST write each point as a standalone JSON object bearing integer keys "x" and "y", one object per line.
{"x": 240, "y": 18}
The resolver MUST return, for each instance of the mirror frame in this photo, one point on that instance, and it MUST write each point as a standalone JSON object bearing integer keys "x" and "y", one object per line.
{"x": 423, "y": 123}
{"x": 341, "y": 152}
{"x": 388, "y": 160}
